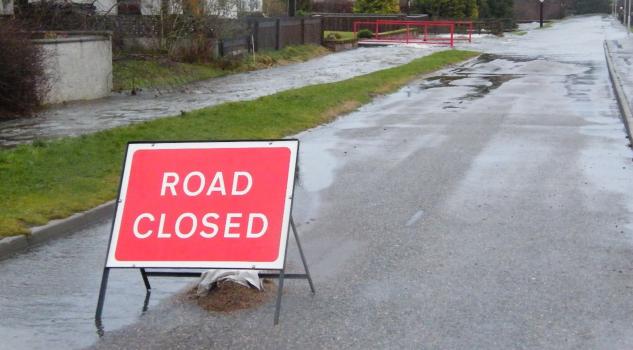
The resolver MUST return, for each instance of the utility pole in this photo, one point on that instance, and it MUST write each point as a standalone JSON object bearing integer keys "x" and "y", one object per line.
{"x": 541, "y": 11}
{"x": 628, "y": 19}
{"x": 292, "y": 8}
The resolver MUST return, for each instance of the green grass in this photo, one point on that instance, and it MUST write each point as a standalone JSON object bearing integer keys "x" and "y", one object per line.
{"x": 129, "y": 74}
{"x": 343, "y": 36}
{"x": 54, "y": 179}
{"x": 398, "y": 31}
{"x": 346, "y": 36}
{"x": 286, "y": 55}
{"x": 519, "y": 32}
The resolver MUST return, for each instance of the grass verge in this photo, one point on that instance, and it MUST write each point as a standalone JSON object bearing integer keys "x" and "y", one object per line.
{"x": 290, "y": 54}
{"x": 54, "y": 179}
{"x": 334, "y": 35}
{"x": 398, "y": 31}
{"x": 131, "y": 74}
{"x": 339, "y": 36}
{"x": 153, "y": 72}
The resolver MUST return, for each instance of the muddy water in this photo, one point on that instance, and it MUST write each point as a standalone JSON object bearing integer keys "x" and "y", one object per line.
{"x": 86, "y": 117}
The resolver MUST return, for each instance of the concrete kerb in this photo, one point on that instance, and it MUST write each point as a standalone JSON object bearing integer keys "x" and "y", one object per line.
{"x": 12, "y": 245}
{"x": 54, "y": 229}
{"x": 623, "y": 103}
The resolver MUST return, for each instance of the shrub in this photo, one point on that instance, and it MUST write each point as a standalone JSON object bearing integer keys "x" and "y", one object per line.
{"x": 376, "y": 6}
{"x": 273, "y": 8}
{"x": 332, "y": 7}
{"x": 196, "y": 49}
{"x": 365, "y": 34}
{"x": 454, "y": 8}
{"x": 23, "y": 82}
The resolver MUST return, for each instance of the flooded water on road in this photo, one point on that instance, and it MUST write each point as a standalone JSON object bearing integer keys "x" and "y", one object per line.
{"x": 48, "y": 295}
{"x": 85, "y": 117}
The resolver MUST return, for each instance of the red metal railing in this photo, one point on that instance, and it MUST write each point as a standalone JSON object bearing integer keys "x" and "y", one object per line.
{"x": 467, "y": 27}
{"x": 417, "y": 32}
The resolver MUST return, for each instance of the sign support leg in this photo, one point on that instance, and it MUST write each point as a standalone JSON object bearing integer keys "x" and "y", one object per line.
{"x": 102, "y": 292}
{"x": 280, "y": 288}
{"x": 148, "y": 287}
{"x": 282, "y": 272}
{"x": 303, "y": 258}
{"x": 280, "y": 291}
{"x": 146, "y": 302}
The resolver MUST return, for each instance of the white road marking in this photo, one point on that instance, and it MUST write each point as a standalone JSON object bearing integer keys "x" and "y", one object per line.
{"x": 417, "y": 216}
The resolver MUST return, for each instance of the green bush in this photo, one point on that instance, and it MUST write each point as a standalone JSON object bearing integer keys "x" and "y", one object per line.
{"x": 452, "y": 8}
{"x": 376, "y": 6}
{"x": 365, "y": 34}
{"x": 23, "y": 80}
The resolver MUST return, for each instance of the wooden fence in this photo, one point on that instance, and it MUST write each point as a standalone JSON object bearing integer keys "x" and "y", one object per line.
{"x": 277, "y": 33}
{"x": 274, "y": 34}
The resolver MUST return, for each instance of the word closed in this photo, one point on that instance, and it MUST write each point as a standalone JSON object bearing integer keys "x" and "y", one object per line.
{"x": 205, "y": 204}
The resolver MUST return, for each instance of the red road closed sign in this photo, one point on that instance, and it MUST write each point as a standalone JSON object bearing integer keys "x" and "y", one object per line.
{"x": 204, "y": 205}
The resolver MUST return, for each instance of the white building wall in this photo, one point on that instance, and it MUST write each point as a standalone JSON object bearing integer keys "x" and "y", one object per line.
{"x": 102, "y": 7}
{"x": 78, "y": 68}
{"x": 6, "y": 7}
{"x": 221, "y": 8}
{"x": 150, "y": 7}
{"x": 231, "y": 8}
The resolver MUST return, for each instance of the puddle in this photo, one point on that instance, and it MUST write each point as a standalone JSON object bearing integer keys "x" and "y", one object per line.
{"x": 48, "y": 295}
{"x": 478, "y": 77}
{"x": 481, "y": 84}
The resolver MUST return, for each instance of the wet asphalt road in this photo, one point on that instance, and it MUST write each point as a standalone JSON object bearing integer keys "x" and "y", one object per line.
{"x": 486, "y": 207}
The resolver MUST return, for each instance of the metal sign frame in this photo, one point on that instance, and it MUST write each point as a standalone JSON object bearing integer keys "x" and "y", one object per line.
{"x": 287, "y": 224}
